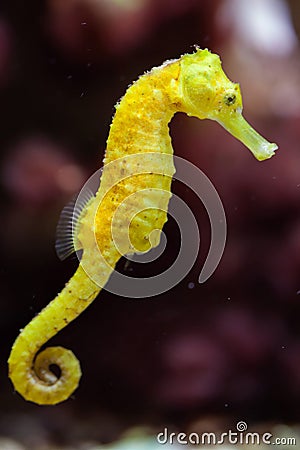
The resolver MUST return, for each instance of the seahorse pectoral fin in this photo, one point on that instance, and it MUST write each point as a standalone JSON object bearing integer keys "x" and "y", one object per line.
{"x": 66, "y": 241}
{"x": 243, "y": 131}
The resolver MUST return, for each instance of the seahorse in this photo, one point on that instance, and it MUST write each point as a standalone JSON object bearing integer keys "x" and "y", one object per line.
{"x": 194, "y": 84}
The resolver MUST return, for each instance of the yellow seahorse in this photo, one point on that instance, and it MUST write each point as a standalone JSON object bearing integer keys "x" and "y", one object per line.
{"x": 194, "y": 84}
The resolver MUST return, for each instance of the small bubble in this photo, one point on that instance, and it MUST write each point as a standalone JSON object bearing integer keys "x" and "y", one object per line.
{"x": 283, "y": 347}
{"x": 228, "y": 298}
{"x": 298, "y": 292}
{"x": 191, "y": 285}
{"x": 83, "y": 23}
{"x": 82, "y": 94}
{"x": 226, "y": 405}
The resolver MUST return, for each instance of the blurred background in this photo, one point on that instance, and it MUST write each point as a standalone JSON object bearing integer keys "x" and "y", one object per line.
{"x": 199, "y": 357}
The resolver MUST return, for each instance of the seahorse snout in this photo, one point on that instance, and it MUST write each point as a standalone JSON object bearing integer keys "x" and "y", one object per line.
{"x": 236, "y": 125}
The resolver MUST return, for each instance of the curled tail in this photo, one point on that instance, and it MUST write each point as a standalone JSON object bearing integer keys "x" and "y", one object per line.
{"x": 31, "y": 372}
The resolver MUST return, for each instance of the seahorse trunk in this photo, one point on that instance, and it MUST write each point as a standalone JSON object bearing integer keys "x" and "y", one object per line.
{"x": 140, "y": 130}
{"x": 31, "y": 375}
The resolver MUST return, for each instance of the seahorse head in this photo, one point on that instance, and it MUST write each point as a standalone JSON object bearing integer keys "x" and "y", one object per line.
{"x": 206, "y": 92}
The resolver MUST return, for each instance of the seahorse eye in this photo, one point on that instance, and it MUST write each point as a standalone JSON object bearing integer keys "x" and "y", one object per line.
{"x": 229, "y": 99}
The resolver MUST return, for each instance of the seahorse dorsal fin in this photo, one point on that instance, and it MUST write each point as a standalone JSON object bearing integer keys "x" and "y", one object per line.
{"x": 65, "y": 243}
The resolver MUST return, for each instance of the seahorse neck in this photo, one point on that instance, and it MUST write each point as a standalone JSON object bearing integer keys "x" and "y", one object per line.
{"x": 141, "y": 120}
